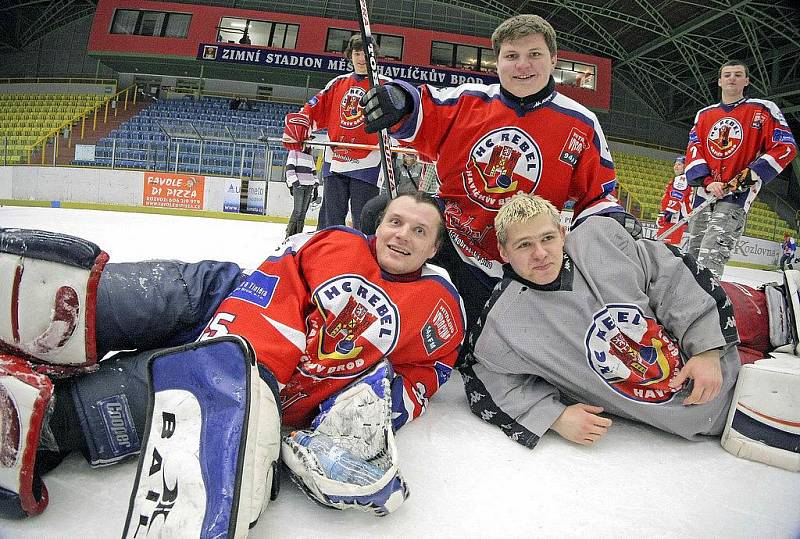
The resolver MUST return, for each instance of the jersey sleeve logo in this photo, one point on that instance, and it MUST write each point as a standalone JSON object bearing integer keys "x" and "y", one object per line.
{"x": 257, "y": 289}
{"x": 573, "y": 148}
{"x": 632, "y": 354}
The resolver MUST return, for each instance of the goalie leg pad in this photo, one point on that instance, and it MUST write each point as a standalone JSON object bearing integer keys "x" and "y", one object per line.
{"x": 24, "y": 399}
{"x": 764, "y": 419}
{"x": 47, "y": 301}
{"x": 211, "y": 446}
{"x": 349, "y": 459}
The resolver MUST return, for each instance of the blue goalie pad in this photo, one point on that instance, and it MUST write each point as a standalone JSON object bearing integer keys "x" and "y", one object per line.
{"x": 211, "y": 445}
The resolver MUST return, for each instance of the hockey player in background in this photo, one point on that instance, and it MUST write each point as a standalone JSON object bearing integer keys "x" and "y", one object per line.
{"x": 350, "y": 176}
{"x": 595, "y": 322}
{"x": 734, "y": 148}
{"x": 350, "y": 334}
{"x": 675, "y": 204}
{"x": 490, "y": 142}
{"x": 301, "y": 178}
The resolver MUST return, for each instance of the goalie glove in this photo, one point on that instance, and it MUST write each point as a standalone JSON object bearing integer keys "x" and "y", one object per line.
{"x": 348, "y": 460}
{"x": 384, "y": 106}
{"x": 743, "y": 181}
{"x": 295, "y": 131}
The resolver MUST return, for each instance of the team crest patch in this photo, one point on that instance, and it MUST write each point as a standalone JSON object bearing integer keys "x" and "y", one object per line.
{"x": 724, "y": 138}
{"x": 438, "y": 329}
{"x": 573, "y": 147}
{"x": 350, "y": 115}
{"x": 258, "y": 289}
{"x": 502, "y": 163}
{"x": 632, "y": 354}
{"x": 358, "y": 314}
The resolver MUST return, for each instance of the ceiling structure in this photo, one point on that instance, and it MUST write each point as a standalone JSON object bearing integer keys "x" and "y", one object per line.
{"x": 666, "y": 52}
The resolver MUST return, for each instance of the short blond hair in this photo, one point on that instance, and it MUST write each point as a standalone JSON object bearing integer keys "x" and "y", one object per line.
{"x": 520, "y": 26}
{"x": 522, "y": 208}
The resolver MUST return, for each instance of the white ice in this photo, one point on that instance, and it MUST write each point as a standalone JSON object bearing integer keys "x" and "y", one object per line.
{"x": 466, "y": 478}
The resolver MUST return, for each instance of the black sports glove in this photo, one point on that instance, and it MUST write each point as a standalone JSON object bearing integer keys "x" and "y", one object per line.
{"x": 631, "y": 223}
{"x": 742, "y": 181}
{"x": 384, "y": 106}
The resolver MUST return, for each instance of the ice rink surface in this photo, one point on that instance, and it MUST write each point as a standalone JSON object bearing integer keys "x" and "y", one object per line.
{"x": 466, "y": 478}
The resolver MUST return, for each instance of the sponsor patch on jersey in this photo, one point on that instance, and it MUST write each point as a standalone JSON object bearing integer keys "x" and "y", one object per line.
{"x": 358, "y": 314}
{"x": 758, "y": 120}
{"x": 500, "y": 164}
{"x": 782, "y": 135}
{"x": 439, "y": 328}
{"x": 573, "y": 147}
{"x": 693, "y": 138}
{"x": 632, "y": 354}
{"x": 724, "y": 138}
{"x": 350, "y": 115}
{"x": 118, "y": 422}
{"x": 258, "y": 289}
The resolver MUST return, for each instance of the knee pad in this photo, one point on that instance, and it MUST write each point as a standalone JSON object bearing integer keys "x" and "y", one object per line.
{"x": 25, "y": 396}
{"x": 764, "y": 419}
{"x": 210, "y": 456}
{"x": 48, "y": 299}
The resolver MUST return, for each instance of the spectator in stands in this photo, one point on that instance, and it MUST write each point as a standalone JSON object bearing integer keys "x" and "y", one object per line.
{"x": 301, "y": 178}
{"x": 675, "y": 204}
{"x": 351, "y": 177}
{"x": 734, "y": 147}
{"x": 789, "y": 247}
{"x": 490, "y": 142}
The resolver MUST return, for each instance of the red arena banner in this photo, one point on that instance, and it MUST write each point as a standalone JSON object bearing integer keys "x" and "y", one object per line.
{"x": 169, "y": 190}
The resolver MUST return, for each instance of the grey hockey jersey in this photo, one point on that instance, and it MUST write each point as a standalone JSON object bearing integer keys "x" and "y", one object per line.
{"x": 616, "y": 326}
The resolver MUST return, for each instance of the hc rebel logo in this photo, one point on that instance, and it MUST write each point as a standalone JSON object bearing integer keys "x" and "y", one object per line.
{"x": 500, "y": 164}
{"x": 357, "y": 314}
{"x": 350, "y": 116}
{"x": 632, "y": 354}
{"x": 724, "y": 138}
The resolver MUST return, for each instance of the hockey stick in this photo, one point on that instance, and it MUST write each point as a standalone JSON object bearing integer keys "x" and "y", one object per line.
{"x": 695, "y": 212}
{"x": 355, "y": 146}
{"x": 372, "y": 73}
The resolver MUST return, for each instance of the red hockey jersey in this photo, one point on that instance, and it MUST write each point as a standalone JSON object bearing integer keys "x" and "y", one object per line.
{"x": 675, "y": 205}
{"x": 727, "y": 138}
{"x": 320, "y": 312}
{"x": 337, "y": 108}
{"x": 488, "y": 148}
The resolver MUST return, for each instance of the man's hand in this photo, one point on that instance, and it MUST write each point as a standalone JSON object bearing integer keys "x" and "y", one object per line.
{"x": 743, "y": 181}
{"x": 580, "y": 423}
{"x": 718, "y": 189}
{"x": 295, "y": 131}
{"x": 384, "y": 106}
{"x": 706, "y": 372}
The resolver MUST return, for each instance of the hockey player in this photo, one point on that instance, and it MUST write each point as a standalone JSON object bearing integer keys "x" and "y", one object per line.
{"x": 599, "y": 322}
{"x": 734, "y": 147}
{"x": 306, "y": 336}
{"x": 301, "y": 178}
{"x": 490, "y": 142}
{"x": 675, "y": 204}
{"x": 349, "y": 175}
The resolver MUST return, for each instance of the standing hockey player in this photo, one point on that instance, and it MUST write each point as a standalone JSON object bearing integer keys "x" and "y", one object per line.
{"x": 609, "y": 324}
{"x": 734, "y": 147}
{"x": 490, "y": 142}
{"x": 303, "y": 340}
{"x": 350, "y": 176}
{"x": 675, "y": 204}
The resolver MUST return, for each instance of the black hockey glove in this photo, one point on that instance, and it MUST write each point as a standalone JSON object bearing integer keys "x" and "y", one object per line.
{"x": 742, "y": 181}
{"x": 384, "y": 106}
{"x": 631, "y": 223}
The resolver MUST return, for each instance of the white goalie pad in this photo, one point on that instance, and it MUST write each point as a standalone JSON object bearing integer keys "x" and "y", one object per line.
{"x": 764, "y": 418}
{"x": 209, "y": 462}
{"x": 48, "y": 285}
{"x": 792, "y": 279}
{"x": 349, "y": 459}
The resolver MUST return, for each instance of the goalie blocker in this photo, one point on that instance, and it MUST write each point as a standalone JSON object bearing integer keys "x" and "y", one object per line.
{"x": 209, "y": 463}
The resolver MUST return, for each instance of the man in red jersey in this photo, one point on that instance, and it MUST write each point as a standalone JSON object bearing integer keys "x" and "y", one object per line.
{"x": 675, "y": 204}
{"x": 491, "y": 142}
{"x": 734, "y": 148}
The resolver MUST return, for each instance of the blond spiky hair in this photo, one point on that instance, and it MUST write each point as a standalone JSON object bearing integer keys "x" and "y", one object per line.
{"x": 521, "y": 208}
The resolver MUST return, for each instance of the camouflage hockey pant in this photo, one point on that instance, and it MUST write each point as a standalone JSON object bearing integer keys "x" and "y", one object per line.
{"x": 713, "y": 233}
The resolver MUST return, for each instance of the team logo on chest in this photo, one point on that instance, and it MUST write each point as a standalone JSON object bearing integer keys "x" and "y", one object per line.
{"x": 350, "y": 115}
{"x": 359, "y": 320}
{"x": 724, "y": 138}
{"x": 500, "y": 164}
{"x": 632, "y": 354}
